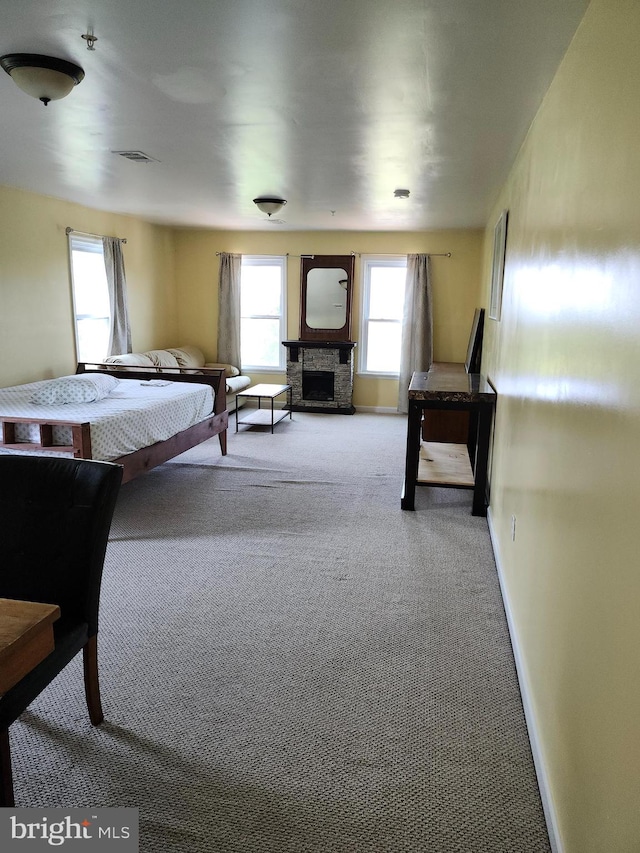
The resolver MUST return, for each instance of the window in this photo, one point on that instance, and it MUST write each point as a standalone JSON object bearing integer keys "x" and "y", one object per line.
{"x": 90, "y": 298}
{"x": 383, "y": 303}
{"x": 262, "y": 313}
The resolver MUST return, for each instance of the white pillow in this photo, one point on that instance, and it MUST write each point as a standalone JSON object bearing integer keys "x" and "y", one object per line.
{"x": 229, "y": 369}
{"x": 82, "y": 388}
{"x": 187, "y": 356}
{"x": 130, "y": 359}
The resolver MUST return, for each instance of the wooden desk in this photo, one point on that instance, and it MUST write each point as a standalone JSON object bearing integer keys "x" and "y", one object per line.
{"x": 26, "y": 638}
{"x": 449, "y": 387}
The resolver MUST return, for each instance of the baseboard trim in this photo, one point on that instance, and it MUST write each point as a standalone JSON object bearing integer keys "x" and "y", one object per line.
{"x": 534, "y": 740}
{"x": 381, "y": 410}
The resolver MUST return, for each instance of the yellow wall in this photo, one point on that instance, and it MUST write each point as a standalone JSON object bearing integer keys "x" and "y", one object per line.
{"x": 36, "y": 315}
{"x": 172, "y": 281}
{"x": 456, "y": 286}
{"x": 566, "y": 362}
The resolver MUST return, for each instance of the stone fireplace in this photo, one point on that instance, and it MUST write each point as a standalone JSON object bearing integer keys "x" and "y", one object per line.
{"x": 321, "y": 376}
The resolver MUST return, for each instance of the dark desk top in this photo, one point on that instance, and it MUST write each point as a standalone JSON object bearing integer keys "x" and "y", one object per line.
{"x": 449, "y": 382}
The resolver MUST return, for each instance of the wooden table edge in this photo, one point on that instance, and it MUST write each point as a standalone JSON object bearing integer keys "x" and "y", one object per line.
{"x": 49, "y": 613}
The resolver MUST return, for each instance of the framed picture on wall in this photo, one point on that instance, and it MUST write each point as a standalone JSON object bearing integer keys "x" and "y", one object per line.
{"x": 497, "y": 270}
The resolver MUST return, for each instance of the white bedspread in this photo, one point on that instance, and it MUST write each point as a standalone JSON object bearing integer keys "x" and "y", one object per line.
{"x": 133, "y": 416}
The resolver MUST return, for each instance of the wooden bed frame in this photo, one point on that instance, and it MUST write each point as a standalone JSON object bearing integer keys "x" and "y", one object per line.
{"x": 142, "y": 460}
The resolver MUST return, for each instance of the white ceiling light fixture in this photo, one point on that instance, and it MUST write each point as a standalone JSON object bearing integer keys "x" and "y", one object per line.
{"x": 270, "y": 205}
{"x": 43, "y": 77}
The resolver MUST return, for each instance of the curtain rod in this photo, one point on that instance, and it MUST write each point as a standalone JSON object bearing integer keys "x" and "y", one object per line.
{"x": 395, "y": 254}
{"x": 278, "y": 255}
{"x": 89, "y": 234}
{"x": 359, "y": 254}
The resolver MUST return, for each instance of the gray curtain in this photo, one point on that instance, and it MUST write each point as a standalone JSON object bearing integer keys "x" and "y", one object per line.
{"x": 120, "y": 335}
{"x": 229, "y": 309}
{"x": 417, "y": 325}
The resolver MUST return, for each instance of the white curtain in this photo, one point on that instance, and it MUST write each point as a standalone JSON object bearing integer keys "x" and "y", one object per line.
{"x": 229, "y": 309}
{"x": 120, "y": 333}
{"x": 417, "y": 325}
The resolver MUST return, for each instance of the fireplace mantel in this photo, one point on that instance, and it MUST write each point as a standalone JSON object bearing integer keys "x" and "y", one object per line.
{"x": 321, "y": 376}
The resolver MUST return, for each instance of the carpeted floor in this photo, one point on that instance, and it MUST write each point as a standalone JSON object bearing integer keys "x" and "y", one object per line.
{"x": 291, "y": 664}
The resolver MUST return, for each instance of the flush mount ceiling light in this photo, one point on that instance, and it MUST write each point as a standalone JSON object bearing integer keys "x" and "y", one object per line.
{"x": 270, "y": 205}
{"x": 42, "y": 77}
{"x": 401, "y": 193}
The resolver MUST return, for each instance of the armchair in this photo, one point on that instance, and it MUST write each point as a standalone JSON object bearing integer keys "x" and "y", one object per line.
{"x": 55, "y": 516}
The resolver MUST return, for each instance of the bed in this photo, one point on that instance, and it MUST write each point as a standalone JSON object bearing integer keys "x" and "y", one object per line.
{"x": 137, "y": 418}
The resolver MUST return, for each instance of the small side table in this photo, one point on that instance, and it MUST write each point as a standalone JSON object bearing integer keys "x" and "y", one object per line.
{"x": 267, "y": 416}
{"x": 456, "y": 466}
{"x": 26, "y": 638}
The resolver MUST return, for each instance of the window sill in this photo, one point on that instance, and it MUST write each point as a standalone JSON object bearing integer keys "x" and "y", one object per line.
{"x": 373, "y": 375}
{"x": 245, "y": 369}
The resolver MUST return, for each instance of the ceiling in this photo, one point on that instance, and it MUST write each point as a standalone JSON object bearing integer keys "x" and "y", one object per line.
{"x": 330, "y": 104}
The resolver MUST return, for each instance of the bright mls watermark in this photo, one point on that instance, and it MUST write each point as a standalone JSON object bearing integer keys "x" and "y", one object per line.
{"x": 114, "y": 830}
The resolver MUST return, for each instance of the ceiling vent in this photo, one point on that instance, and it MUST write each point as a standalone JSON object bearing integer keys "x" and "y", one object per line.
{"x": 136, "y": 156}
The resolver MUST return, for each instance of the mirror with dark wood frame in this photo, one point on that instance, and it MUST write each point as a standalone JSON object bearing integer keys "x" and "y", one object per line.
{"x": 326, "y": 289}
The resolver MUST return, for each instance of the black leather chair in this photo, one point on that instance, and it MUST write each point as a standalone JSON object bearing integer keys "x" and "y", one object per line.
{"x": 55, "y": 516}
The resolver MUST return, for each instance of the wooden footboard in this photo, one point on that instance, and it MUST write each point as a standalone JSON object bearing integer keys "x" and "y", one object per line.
{"x": 80, "y": 437}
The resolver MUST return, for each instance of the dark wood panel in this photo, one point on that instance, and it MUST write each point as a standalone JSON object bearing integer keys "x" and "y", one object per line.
{"x": 448, "y": 427}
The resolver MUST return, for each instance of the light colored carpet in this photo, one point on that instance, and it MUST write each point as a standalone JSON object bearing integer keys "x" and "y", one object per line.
{"x": 290, "y": 663}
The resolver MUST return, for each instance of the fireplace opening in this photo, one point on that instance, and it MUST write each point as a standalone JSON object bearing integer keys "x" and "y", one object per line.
{"x": 317, "y": 385}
